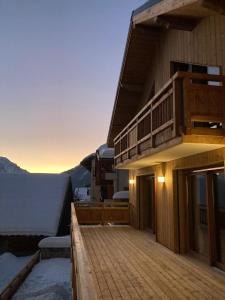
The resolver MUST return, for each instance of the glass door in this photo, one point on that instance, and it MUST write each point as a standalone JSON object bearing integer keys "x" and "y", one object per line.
{"x": 199, "y": 232}
{"x": 219, "y": 199}
{"x": 206, "y": 190}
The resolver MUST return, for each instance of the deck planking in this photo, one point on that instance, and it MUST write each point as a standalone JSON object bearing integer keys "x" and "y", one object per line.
{"x": 129, "y": 264}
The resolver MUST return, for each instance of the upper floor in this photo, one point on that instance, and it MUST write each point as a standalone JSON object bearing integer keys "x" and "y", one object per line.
{"x": 171, "y": 87}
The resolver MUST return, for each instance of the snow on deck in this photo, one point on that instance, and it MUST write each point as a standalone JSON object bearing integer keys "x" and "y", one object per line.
{"x": 10, "y": 266}
{"x": 31, "y": 204}
{"x": 49, "y": 280}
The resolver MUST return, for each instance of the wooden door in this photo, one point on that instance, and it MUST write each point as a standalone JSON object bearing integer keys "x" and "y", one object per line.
{"x": 207, "y": 215}
{"x": 147, "y": 203}
{"x": 198, "y": 215}
{"x": 219, "y": 206}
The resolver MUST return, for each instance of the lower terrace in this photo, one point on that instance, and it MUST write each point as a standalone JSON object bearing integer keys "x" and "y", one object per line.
{"x": 119, "y": 262}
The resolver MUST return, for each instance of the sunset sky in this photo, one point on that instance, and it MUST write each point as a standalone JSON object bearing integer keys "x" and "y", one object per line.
{"x": 59, "y": 66}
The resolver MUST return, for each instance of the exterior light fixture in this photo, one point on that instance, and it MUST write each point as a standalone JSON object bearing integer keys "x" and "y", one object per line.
{"x": 161, "y": 179}
{"x": 131, "y": 181}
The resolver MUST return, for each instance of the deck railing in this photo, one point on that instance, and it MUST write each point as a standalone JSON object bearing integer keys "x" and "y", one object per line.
{"x": 82, "y": 279}
{"x": 93, "y": 212}
{"x": 186, "y": 104}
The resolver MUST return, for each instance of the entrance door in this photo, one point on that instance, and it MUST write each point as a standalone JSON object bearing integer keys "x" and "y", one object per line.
{"x": 147, "y": 203}
{"x": 207, "y": 215}
{"x": 199, "y": 237}
{"x": 219, "y": 189}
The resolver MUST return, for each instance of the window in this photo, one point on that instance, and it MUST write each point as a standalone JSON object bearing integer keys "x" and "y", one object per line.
{"x": 185, "y": 67}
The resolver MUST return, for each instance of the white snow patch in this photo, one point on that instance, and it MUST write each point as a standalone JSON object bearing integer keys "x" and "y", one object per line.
{"x": 55, "y": 242}
{"x": 10, "y": 266}
{"x": 121, "y": 195}
{"x": 31, "y": 204}
{"x": 105, "y": 152}
{"x": 49, "y": 280}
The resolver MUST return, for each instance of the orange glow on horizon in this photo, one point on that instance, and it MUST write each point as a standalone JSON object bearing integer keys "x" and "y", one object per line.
{"x": 49, "y": 169}
{"x": 47, "y": 163}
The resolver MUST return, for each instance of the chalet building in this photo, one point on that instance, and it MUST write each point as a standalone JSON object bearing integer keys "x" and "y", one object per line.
{"x": 33, "y": 206}
{"x": 168, "y": 124}
{"x": 105, "y": 180}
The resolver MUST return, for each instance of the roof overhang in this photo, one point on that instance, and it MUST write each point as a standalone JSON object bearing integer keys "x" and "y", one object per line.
{"x": 140, "y": 47}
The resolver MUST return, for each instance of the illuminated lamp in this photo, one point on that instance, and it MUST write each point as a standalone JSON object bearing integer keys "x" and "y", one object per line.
{"x": 161, "y": 179}
{"x": 131, "y": 181}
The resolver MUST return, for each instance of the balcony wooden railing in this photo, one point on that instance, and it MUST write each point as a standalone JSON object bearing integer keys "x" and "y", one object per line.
{"x": 93, "y": 212}
{"x": 82, "y": 278}
{"x": 189, "y": 103}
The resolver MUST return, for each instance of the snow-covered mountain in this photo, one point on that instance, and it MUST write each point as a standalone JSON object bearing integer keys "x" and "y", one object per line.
{"x": 80, "y": 176}
{"x": 8, "y": 167}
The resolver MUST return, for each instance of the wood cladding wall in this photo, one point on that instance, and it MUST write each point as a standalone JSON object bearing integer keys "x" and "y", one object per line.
{"x": 167, "y": 196}
{"x": 205, "y": 45}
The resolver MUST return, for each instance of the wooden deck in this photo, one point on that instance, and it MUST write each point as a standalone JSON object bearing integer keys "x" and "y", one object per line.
{"x": 128, "y": 264}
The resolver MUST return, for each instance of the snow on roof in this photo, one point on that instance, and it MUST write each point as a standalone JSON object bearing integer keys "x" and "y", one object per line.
{"x": 121, "y": 195}
{"x": 31, "y": 204}
{"x": 55, "y": 242}
{"x": 105, "y": 152}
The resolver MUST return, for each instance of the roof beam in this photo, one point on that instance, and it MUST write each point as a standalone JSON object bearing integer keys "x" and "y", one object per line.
{"x": 161, "y": 8}
{"x": 215, "y": 5}
{"x": 176, "y": 22}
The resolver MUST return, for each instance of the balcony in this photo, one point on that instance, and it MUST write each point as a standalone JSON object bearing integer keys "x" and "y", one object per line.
{"x": 119, "y": 262}
{"x": 186, "y": 117}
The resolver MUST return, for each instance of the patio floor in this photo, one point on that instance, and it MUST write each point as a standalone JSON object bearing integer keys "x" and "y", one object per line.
{"x": 128, "y": 264}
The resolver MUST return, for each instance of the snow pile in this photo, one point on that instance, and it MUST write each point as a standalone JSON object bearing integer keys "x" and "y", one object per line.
{"x": 8, "y": 167}
{"x": 49, "y": 280}
{"x": 55, "y": 242}
{"x": 121, "y": 195}
{"x": 10, "y": 266}
{"x": 105, "y": 152}
{"x": 31, "y": 204}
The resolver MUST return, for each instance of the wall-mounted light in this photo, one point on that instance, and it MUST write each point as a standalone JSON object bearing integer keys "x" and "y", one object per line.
{"x": 161, "y": 179}
{"x": 131, "y": 181}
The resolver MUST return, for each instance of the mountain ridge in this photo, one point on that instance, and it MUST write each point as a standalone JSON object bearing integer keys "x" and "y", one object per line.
{"x": 9, "y": 167}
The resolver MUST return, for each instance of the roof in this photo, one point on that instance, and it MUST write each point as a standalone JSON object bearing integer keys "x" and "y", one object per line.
{"x": 31, "y": 204}
{"x": 105, "y": 152}
{"x": 145, "y": 6}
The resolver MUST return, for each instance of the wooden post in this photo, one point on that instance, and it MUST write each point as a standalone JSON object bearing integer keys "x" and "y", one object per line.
{"x": 187, "y": 113}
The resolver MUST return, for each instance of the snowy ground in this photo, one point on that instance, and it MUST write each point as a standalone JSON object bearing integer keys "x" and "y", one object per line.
{"x": 10, "y": 266}
{"x": 49, "y": 280}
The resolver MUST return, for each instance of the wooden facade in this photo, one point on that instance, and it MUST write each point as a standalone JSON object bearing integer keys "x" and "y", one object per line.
{"x": 174, "y": 122}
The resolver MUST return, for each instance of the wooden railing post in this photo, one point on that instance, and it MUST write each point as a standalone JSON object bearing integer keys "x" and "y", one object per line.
{"x": 186, "y": 107}
{"x": 178, "y": 106}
